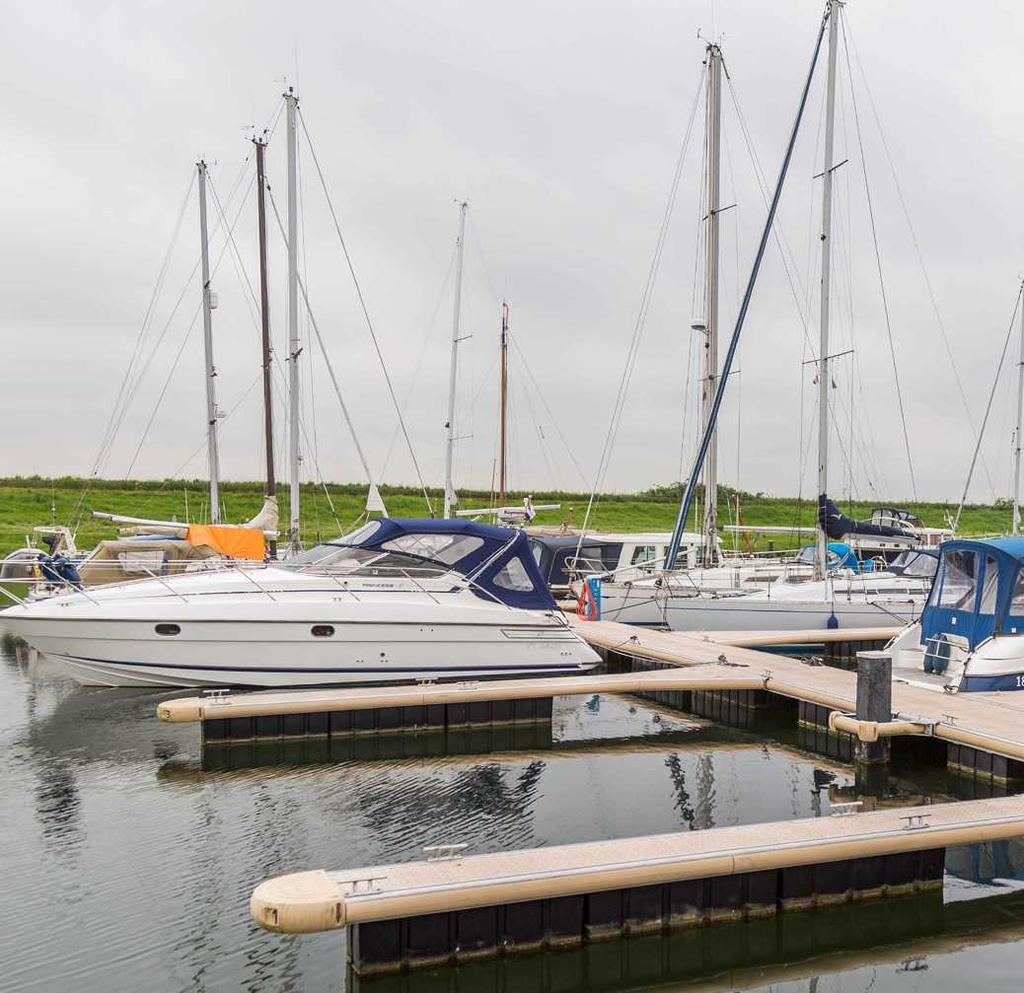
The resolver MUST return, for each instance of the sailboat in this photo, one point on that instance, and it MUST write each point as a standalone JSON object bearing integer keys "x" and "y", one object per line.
{"x": 784, "y": 593}
{"x": 148, "y": 547}
{"x": 396, "y": 600}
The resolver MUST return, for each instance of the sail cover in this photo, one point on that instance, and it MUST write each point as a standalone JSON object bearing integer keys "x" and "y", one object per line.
{"x": 234, "y": 542}
{"x": 837, "y": 525}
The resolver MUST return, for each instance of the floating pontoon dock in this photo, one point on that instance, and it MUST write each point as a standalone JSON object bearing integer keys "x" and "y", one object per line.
{"x": 984, "y": 731}
{"x": 453, "y": 908}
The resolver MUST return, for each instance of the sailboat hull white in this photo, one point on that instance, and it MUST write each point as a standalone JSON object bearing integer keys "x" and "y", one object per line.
{"x": 636, "y": 605}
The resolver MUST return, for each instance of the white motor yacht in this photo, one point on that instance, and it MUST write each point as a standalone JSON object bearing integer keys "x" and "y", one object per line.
{"x": 397, "y": 600}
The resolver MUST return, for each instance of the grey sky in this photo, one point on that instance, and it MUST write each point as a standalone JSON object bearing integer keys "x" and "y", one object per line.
{"x": 560, "y": 125}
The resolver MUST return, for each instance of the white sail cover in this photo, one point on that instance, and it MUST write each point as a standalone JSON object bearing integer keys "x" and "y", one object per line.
{"x": 374, "y": 501}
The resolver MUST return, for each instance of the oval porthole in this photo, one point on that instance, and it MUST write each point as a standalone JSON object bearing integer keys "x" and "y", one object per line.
{"x": 322, "y": 630}
{"x": 168, "y": 629}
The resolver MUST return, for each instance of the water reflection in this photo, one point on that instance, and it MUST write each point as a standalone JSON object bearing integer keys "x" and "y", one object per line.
{"x": 872, "y": 944}
{"x": 131, "y": 850}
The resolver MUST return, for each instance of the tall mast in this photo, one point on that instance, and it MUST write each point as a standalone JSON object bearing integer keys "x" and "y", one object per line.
{"x": 503, "y": 458}
{"x": 686, "y": 504}
{"x": 1020, "y": 420}
{"x": 714, "y": 123}
{"x": 449, "y": 487}
{"x": 268, "y": 397}
{"x": 294, "y": 344}
{"x": 824, "y": 378}
{"x": 213, "y": 457}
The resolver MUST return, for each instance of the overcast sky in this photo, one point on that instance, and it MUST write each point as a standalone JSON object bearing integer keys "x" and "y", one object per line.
{"x": 561, "y": 125}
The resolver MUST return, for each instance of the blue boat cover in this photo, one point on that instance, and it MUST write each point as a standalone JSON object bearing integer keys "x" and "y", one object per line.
{"x": 501, "y": 566}
{"x": 978, "y": 590}
{"x": 837, "y": 525}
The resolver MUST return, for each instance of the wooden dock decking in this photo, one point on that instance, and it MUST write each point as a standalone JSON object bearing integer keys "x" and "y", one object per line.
{"x": 453, "y": 908}
{"x": 993, "y": 722}
{"x": 318, "y": 900}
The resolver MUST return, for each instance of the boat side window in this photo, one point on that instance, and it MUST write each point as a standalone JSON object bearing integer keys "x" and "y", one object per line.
{"x": 1017, "y": 604}
{"x": 642, "y": 554}
{"x": 168, "y": 630}
{"x": 446, "y": 548}
{"x": 990, "y": 585}
{"x": 589, "y": 559}
{"x": 959, "y": 576}
{"x": 513, "y": 576}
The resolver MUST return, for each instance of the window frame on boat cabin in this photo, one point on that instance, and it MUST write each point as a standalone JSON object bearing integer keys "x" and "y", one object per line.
{"x": 967, "y": 595}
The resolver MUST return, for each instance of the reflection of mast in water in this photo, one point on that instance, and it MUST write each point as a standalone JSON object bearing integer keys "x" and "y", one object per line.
{"x": 705, "y": 813}
{"x": 682, "y": 801}
{"x": 481, "y": 795}
{"x": 58, "y": 804}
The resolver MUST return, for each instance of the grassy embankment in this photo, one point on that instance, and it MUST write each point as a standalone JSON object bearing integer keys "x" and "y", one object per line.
{"x": 26, "y": 502}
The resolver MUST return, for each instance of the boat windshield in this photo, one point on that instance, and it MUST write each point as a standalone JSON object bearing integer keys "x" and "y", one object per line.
{"x": 914, "y": 564}
{"x": 347, "y": 560}
{"x": 410, "y": 554}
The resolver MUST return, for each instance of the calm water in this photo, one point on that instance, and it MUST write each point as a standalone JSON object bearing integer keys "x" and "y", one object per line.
{"x": 129, "y": 855}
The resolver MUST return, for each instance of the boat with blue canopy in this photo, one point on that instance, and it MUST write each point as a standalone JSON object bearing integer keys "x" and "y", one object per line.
{"x": 397, "y": 600}
{"x": 970, "y": 637}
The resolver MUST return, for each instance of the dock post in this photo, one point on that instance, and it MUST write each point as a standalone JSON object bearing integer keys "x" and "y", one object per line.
{"x": 874, "y": 703}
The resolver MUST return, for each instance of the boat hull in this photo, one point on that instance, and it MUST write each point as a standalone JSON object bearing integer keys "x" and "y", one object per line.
{"x": 274, "y": 653}
{"x": 747, "y": 614}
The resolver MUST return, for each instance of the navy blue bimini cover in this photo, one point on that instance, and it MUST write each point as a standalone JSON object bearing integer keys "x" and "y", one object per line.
{"x": 973, "y": 593}
{"x": 499, "y": 562}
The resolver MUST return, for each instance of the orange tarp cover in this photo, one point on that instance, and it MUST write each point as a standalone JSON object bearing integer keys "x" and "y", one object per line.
{"x": 236, "y": 543}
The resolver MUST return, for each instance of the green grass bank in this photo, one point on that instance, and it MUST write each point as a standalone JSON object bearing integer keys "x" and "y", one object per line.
{"x": 328, "y": 510}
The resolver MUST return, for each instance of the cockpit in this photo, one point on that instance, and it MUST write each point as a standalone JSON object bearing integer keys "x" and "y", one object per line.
{"x": 497, "y": 561}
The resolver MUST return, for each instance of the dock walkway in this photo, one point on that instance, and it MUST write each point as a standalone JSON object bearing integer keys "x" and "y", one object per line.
{"x": 992, "y": 721}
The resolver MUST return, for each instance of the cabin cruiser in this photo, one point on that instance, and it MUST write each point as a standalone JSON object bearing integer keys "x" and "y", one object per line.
{"x": 397, "y": 600}
{"x": 970, "y": 637}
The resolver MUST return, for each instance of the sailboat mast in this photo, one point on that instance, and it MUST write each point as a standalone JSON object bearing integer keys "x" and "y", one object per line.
{"x": 213, "y": 457}
{"x": 294, "y": 343}
{"x": 824, "y": 378}
{"x": 503, "y": 458}
{"x": 449, "y": 487}
{"x": 1020, "y": 420}
{"x": 714, "y": 123}
{"x": 268, "y": 397}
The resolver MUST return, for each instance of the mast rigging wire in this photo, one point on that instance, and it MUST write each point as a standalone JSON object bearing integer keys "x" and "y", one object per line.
{"x": 920, "y": 258}
{"x": 988, "y": 406}
{"x": 366, "y": 314}
{"x": 878, "y": 263}
{"x": 188, "y": 333}
{"x": 709, "y": 428}
{"x": 641, "y": 318}
{"x": 327, "y": 361}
